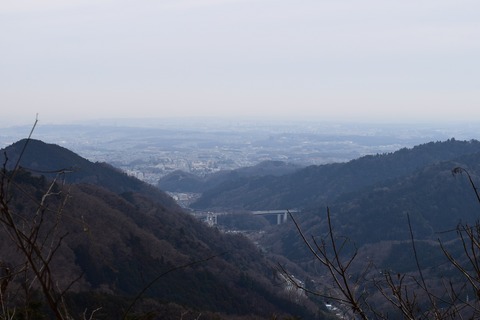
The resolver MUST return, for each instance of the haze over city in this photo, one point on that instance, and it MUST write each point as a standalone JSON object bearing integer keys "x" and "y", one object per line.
{"x": 317, "y": 60}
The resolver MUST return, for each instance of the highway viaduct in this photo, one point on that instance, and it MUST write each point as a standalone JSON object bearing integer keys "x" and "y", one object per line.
{"x": 280, "y": 214}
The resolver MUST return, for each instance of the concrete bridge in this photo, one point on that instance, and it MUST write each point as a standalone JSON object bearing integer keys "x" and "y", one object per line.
{"x": 282, "y": 215}
{"x": 211, "y": 217}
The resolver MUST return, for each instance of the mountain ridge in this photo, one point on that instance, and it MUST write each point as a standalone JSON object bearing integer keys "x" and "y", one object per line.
{"x": 48, "y": 159}
{"x": 319, "y": 185}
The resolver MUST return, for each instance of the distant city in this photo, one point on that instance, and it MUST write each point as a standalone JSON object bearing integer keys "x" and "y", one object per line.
{"x": 151, "y": 149}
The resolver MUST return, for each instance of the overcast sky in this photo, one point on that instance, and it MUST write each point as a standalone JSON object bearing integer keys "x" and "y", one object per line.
{"x": 319, "y": 59}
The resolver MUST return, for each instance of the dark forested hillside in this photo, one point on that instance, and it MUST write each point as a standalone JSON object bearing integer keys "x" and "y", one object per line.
{"x": 434, "y": 199}
{"x": 417, "y": 232}
{"x": 118, "y": 241}
{"x": 119, "y": 234}
{"x": 320, "y": 185}
{"x": 47, "y": 159}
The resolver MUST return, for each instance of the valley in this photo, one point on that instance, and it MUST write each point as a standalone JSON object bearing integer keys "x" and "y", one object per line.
{"x": 254, "y": 257}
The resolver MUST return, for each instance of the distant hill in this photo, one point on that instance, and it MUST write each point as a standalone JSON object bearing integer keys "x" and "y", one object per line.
{"x": 180, "y": 181}
{"x": 120, "y": 235}
{"x": 322, "y": 184}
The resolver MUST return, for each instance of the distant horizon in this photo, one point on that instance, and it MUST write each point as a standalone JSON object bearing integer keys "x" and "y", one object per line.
{"x": 152, "y": 121}
{"x": 425, "y": 131}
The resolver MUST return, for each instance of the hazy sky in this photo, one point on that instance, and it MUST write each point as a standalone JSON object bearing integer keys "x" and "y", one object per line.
{"x": 320, "y": 59}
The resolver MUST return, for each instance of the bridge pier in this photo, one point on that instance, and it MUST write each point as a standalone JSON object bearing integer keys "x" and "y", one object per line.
{"x": 282, "y": 217}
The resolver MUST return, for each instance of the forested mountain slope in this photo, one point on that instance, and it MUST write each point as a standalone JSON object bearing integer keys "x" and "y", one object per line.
{"x": 320, "y": 185}
{"x": 47, "y": 159}
{"x": 377, "y": 217}
{"x": 118, "y": 241}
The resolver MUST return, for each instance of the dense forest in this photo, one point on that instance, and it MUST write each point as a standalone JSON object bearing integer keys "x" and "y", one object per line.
{"x": 399, "y": 229}
{"x": 122, "y": 248}
{"x": 411, "y": 213}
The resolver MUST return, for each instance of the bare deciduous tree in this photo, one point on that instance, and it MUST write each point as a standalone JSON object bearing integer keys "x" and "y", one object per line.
{"x": 36, "y": 237}
{"x": 410, "y": 294}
